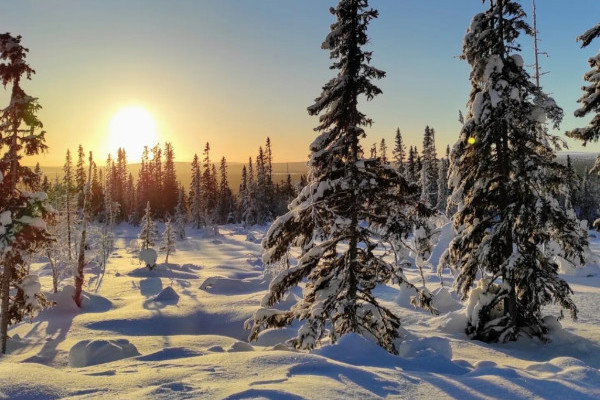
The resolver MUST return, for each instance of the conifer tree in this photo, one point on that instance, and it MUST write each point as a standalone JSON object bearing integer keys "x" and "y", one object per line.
{"x": 22, "y": 213}
{"x": 429, "y": 168}
{"x": 156, "y": 178}
{"x": 81, "y": 253}
{"x": 97, "y": 193}
{"x": 399, "y": 152}
{"x": 168, "y": 240}
{"x": 335, "y": 217}
{"x": 506, "y": 183}
{"x": 442, "y": 184}
{"x": 80, "y": 178}
{"x": 180, "y": 215}
{"x": 36, "y": 183}
{"x": 129, "y": 199}
{"x": 590, "y": 101}
{"x": 144, "y": 185}
{"x": 118, "y": 171}
{"x": 411, "y": 165}
{"x": 148, "y": 233}
{"x": 249, "y": 201}
{"x": 242, "y": 193}
{"x": 383, "y": 151}
{"x": 170, "y": 192}
{"x": 263, "y": 192}
{"x": 68, "y": 182}
{"x": 195, "y": 197}
{"x": 225, "y": 195}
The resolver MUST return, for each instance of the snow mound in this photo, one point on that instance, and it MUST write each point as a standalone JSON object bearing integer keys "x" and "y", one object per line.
{"x": 239, "y": 347}
{"x": 275, "y": 336}
{"x": 89, "y": 303}
{"x": 567, "y": 368}
{"x": 64, "y": 299}
{"x": 444, "y": 301}
{"x": 148, "y": 257}
{"x": 93, "y": 352}
{"x": 454, "y": 322}
{"x": 431, "y": 354}
{"x": 167, "y": 295}
{"x": 355, "y": 349}
{"x": 425, "y": 347}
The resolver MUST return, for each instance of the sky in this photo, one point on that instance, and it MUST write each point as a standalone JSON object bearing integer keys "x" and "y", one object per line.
{"x": 232, "y": 72}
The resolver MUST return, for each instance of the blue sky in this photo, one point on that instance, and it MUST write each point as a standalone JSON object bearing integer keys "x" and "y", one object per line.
{"x": 233, "y": 72}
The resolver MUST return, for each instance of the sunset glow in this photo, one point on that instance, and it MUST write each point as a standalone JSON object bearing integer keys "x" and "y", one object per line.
{"x": 132, "y": 128}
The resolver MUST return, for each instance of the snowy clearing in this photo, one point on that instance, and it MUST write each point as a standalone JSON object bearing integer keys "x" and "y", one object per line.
{"x": 178, "y": 332}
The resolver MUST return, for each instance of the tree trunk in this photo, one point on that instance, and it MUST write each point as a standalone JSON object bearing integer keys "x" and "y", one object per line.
{"x": 54, "y": 271}
{"x": 8, "y": 267}
{"x": 81, "y": 257}
{"x": 5, "y": 290}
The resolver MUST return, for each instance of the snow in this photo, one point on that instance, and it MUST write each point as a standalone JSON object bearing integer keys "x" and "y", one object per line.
{"x": 30, "y": 285}
{"x": 178, "y": 332}
{"x": 148, "y": 257}
{"x": 93, "y": 352}
{"x": 5, "y": 218}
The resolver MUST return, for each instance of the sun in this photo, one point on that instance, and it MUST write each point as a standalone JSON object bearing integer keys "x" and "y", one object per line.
{"x": 132, "y": 128}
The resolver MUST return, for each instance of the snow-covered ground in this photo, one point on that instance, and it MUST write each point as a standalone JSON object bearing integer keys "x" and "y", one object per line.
{"x": 178, "y": 332}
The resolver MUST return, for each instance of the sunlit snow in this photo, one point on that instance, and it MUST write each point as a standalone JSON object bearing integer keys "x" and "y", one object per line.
{"x": 178, "y": 332}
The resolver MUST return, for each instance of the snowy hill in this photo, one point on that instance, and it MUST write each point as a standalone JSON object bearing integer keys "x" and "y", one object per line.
{"x": 178, "y": 332}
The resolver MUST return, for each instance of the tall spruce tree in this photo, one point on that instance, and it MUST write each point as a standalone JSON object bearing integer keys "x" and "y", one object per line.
{"x": 195, "y": 197}
{"x": 148, "y": 232}
{"x": 168, "y": 240}
{"x": 590, "y": 101}
{"x": 429, "y": 169}
{"x": 506, "y": 184}
{"x": 399, "y": 152}
{"x": 383, "y": 151}
{"x": 22, "y": 213}
{"x": 170, "y": 187}
{"x": 69, "y": 187}
{"x": 336, "y": 216}
{"x": 180, "y": 215}
{"x": 80, "y": 179}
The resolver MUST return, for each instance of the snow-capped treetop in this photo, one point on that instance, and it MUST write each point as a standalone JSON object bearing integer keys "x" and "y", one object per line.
{"x": 590, "y": 99}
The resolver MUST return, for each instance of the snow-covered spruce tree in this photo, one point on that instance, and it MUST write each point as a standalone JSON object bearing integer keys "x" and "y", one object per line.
{"x": 337, "y": 217}
{"x": 80, "y": 179}
{"x": 68, "y": 181}
{"x": 180, "y": 215}
{"x": 148, "y": 232}
{"x": 81, "y": 252}
{"x": 22, "y": 213}
{"x": 399, "y": 152}
{"x": 506, "y": 183}
{"x": 168, "y": 240}
{"x": 249, "y": 198}
{"x": 195, "y": 197}
{"x": 170, "y": 187}
{"x": 442, "y": 184}
{"x": 590, "y": 101}
{"x": 429, "y": 169}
